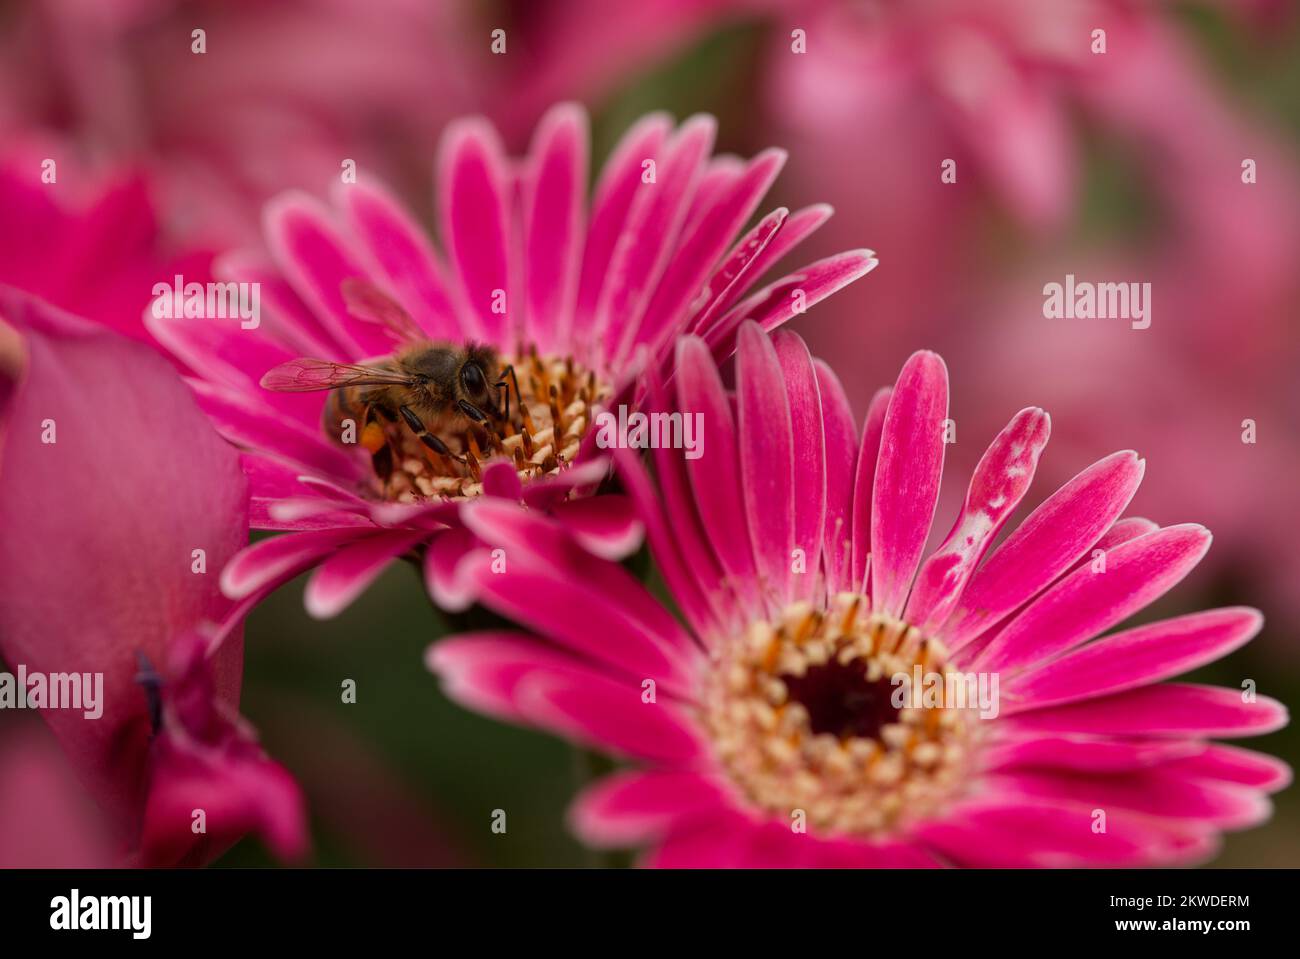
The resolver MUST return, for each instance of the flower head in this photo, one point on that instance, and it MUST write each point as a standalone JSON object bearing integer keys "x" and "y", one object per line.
{"x": 836, "y": 697}
{"x": 557, "y": 303}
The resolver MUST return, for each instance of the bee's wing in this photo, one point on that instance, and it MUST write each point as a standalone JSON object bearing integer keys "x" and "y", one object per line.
{"x": 367, "y": 302}
{"x": 306, "y": 374}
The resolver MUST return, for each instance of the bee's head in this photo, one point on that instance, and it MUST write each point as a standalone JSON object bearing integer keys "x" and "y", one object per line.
{"x": 477, "y": 375}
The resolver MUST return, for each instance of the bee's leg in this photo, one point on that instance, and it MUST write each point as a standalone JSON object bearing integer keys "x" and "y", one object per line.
{"x": 472, "y": 411}
{"x": 509, "y": 371}
{"x": 427, "y": 438}
{"x": 482, "y": 419}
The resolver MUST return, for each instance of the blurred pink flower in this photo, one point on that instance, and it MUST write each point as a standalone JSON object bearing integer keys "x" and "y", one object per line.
{"x": 47, "y": 821}
{"x": 577, "y": 299}
{"x": 114, "y": 486}
{"x": 1012, "y": 92}
{"x": 586, "y": 49}
{"x": 88, "y": 243}
{"x": 774, "y": 706}
{"x": 287, "y": 90}
{"x": 284, "y": 92}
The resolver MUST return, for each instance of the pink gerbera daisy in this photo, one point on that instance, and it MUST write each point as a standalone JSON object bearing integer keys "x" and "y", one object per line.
{"x": 572, "y": 301}
{"x": 766, "y": 719}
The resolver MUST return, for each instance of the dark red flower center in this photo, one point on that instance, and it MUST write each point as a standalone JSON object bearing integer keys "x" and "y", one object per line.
{"x": 841, "y": 701}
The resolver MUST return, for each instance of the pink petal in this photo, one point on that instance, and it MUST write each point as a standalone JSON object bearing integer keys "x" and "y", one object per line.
{"x": 719, "y": 841}
{"x": 651, "y": 234}
{"x": 619, "y": 185}
{"x": 1084, "y": 755}
{"x": 501, "y": 479}
{"x": 473, "y": 187}
{"x": 270, "y": 562}
{"x": 606, "y": 525}
{"x": 766, "y": 441}
{"x": 583, "y": 478}
{"x": 482, "y": 670}
{"x": 1232, "y": 764}
{"x": 554, "y": 204}
{"x": 775, "y": 304}
{"x": 1134, "y": 658}
{"x": 1086, "y": 603}
{"x": 400, "y": 248}
{"x": 430, "y": 514}
{"x": 704, "y": 573}
{"x": 1167, "y": 709}
{"x": 304, "y": 512}
{"x": 544, "y": 539}
{"x": 997, "y": 486}
{"x": 737, "y": 270}
{"x": 263, "y": 430}
{"x": 239, "y": 794}
{"x": 1124, "y": 530}
{"x": 236, "y": 358}
{"x": 345, "y": 575}
{"x": 590, "y": 605}
{"x": 864, "y": 481}
{"x": 774, "y": 845}
{"x": 795, "y": 228}
{"x": 633, "y": 808}
{"x": 273, "y": 478}
{"x": 285, "y": 317}
{"x": 715, "y": 480}
{"x": 1224, "y": 805}
{"x": 1046, "y": 544}
{"x": 316, "y": 260}
{"x": 450, "y": 587}
{"x": 609, "y": 714}
{"x": 280, "y": 481}
{"x": 809, "y": 454}
{"x": 721, "y": 174}
{"x": 855, "y": 854}
{"x": 1121, "y": 532}
{"x": 703, "y": 246}
{"x": 841, "y": 448}
{"x": 906, "y": 488}
{"x": 668, "y": 545}
{"x": 1021, "y": 832}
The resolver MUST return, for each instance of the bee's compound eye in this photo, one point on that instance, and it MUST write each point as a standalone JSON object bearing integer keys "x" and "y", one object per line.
{"x": 471, "y": 377}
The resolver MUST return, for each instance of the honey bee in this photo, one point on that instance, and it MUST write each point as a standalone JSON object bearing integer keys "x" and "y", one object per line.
{"x": 434, "y": 388}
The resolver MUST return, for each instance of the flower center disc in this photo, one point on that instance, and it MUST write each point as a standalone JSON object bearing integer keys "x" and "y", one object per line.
{"x": 548, "y": 420}
{"x": 809, "y": 714}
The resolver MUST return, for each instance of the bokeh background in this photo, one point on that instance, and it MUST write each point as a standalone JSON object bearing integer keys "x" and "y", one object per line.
{"x": 1116, "y": 166}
